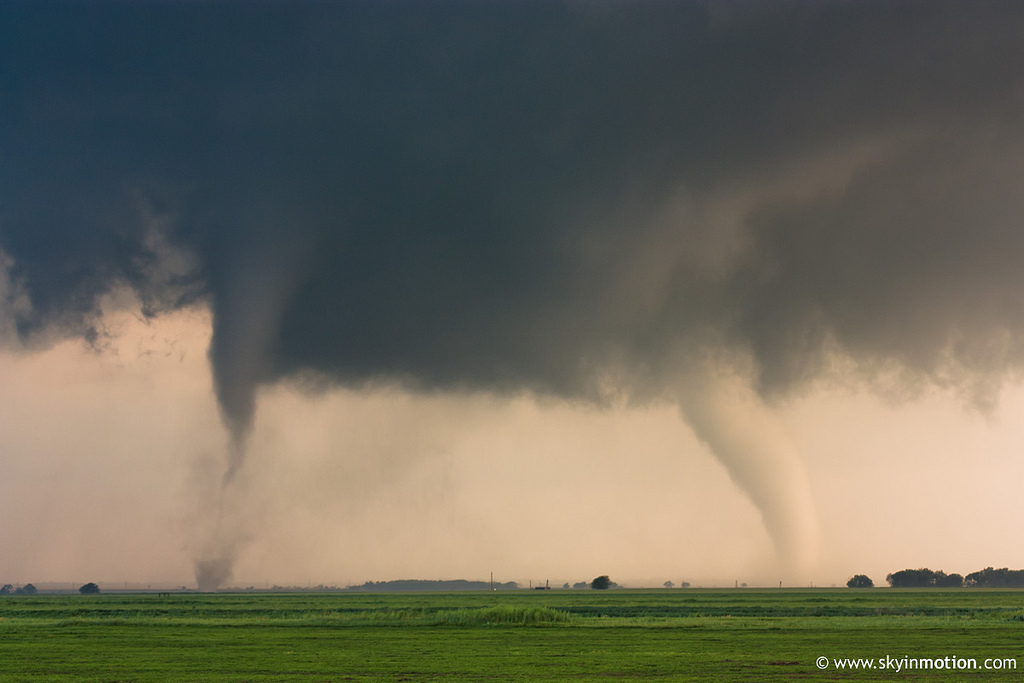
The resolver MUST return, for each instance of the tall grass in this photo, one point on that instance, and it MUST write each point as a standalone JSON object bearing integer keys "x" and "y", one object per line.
{"x": 502, "y": 615}
{"x": 498, "y": 615}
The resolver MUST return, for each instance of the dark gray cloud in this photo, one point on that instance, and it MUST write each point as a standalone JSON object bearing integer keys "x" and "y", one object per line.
{"x": 542, "y": 196}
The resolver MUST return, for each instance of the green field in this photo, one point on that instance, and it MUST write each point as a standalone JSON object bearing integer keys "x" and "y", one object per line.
{"x": 559, "y": 635}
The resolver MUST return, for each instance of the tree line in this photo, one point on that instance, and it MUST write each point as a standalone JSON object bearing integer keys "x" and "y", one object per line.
{"x": 28, "y": 589}
{"x": 427, "y": 585}
{"x": 927, "y": 578}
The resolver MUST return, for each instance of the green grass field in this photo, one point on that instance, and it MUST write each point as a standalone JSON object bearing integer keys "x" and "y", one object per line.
{"x": 663, "y": 635}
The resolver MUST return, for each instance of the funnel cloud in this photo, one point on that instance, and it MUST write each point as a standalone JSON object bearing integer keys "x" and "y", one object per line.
{"x": 583, "y": 201}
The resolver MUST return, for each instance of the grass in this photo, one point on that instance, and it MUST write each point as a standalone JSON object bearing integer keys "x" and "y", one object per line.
{"x": 664, "y": 635}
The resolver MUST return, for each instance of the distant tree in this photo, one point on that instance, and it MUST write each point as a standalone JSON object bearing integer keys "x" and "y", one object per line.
{"x": 684, "y": 584}
{"x": 912, "y": 578}
{"x": 566, "y": 585}
{"x": 581, "y": 584}
{"x": 926, "y": 578}
{"x": 601, "y": 583}
{"x": 669, "y": 584}
{"x": 860, "y": 581}
{"x": 89, "y": 589}
{"x": 6, "y": 589}
{"x": 27, "y": 589}
{"x": 996, "y": 578}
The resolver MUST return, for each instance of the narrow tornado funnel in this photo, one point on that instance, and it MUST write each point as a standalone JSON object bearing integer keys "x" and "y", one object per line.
{"x": 754, "y": 447}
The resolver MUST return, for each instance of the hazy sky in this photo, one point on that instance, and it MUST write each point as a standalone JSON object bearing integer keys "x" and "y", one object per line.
{"x": 334, "y": 292}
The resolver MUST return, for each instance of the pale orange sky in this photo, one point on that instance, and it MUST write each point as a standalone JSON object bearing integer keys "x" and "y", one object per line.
{"x": 111, "y": 460}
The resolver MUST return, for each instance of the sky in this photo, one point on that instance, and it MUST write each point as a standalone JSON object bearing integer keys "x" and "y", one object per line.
{"x": 321, "y": 293}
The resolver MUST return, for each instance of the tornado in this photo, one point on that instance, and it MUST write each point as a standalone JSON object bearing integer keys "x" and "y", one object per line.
{"x": 542, "y": 199}
{"x": 752, "y": 444}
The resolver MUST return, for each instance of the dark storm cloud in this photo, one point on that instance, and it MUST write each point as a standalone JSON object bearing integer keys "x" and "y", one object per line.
{"x": 528, "y": 195}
